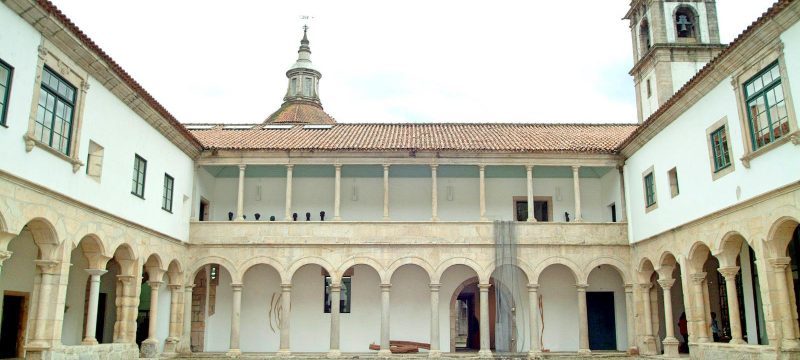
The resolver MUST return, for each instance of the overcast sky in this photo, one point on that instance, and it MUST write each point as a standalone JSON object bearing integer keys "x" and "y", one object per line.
{"x": 401, "y": 61}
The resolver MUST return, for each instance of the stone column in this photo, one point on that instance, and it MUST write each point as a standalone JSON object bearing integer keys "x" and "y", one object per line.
{"x": 386, "y": 290}
{"x": 533, "y": 299}
{"x": 240, "y": 197}
{"x": 337, "y": 193}
{"x": 127, "y": 309}
{"x": 485, "y": 351}
{"x": 185, "y": 345}
{"x": 699, "y": 310}
{"x": 782, "y": 299}
{"x": 336, "y": 296}
{"x": 288, "y": 216}
{"x": 4, "y": 255}
{"x": 286, "y": 304}
{"x": 529, "y": 171}
{"x": 434, "y": 195}
{"x": 91, "y": 312}
{"x": 236, "y": 315}
{"x": 149, "y": 347}
{"x": 733, "y": 303}
{"x": 49, "y": 275}
{"x": 385, "y": 192}
{"x": 583, "y": 320}
{"x": 649, "y": 340}
{"x": 670, "y": 342}
{"x": 170, "y": 345}
{"x": 622, "y": 203}
{"x": 435, "y": 352}
{"x": 576, "y": 183}
{"x": 482, "y": 190}
{"x": 629, "y": 320}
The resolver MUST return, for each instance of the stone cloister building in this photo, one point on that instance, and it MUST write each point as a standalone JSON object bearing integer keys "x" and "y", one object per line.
{"x": 302, "y": 236}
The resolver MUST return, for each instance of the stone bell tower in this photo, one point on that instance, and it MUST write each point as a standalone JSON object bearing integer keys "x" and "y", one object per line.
{"x": 672, "y": 41}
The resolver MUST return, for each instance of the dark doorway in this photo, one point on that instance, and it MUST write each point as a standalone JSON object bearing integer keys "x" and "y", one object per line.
{"x": 541, "y": 210}
{"x": 602, "y": 327}
{"x": 203, "y": 210}
{"x": 101, "y": 317}
{"x": 613, "y": 208}
{"x": 793, "y": 251}
{"x": 13, "y": 326}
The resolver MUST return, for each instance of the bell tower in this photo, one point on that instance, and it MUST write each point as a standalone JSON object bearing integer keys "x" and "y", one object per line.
{"x": 672, "y": 41}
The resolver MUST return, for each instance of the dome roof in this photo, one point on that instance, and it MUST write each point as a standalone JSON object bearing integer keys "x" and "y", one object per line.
{"x": 300, "y": 112}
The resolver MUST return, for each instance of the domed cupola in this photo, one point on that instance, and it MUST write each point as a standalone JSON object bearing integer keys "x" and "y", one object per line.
{"x": 301, "y": 105}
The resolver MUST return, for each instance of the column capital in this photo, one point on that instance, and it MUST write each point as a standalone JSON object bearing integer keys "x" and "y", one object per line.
{"x": 336, "y": 287}
{"x": 434, "y": 287}
{"x": 484, "y": 287}
{"x": 286, "y": 287}
{"x": 188, "y": 288}
{"x": 666, "y": 284}
{"x": 529, "y": 167}
{"x": 242, "y": 167}
{"x": 646, "y": 286}
{"x": 47, "y": 266}
{"x": 237, "y": 287}
{"x": 337, "y": 166}
{"x": 575, "y": 168}
{"x": 729, "y": 272}
{"x": 581, "y": 287}
{"x": 174, "y": 287}
{"x": 4, "y": 255}
{"x": 533, "y": 287}
{"x": 434, "y": 166}
{"x": 780, "y": 263}
{"x": 481, "y": 167}
{"x": 385, "y": 287}
{"x": 96, "y": 272}
{"x": 289, "y": 166}
{"x": 386, "y": 167}
{"x": 628, "y": 288}
{"x": 698, "y": 277}
{"x": 126, "y": 278}
{"x": 155, "y": 284}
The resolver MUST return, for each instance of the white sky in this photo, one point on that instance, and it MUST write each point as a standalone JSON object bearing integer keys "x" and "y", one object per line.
{"x": 401, "y": 61}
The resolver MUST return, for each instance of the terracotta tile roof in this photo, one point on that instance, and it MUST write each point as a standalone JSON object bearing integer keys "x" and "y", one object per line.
{"x": 774, "y": 10}
{"x": 530, "y": 138}
{"x": 300, "y": 113}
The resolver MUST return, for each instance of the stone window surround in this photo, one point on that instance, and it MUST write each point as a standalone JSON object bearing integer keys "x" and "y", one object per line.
{"x": 764, "y": 59}
{"x": 649, "y": 171}
{"x": 715, "y": 174}
{"x": 54, "y": 59}
{"x": 547, "y": 199}
{"x": 674, "y": 185}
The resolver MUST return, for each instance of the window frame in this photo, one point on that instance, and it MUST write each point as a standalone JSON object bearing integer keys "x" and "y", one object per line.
{"x": 59, "y": 99}
{"x": 770, "y": 54}
{"x": 60, "y": 65}
{"x": 6, "y": 95}
{"x": 763, "y": 93}
{"x": 171, "y": 196}
{"x": 136, "y": 160}
{"x": 649, "y": 173}
{"x": 674, "y": 184}
{"x": 719, "y": 125}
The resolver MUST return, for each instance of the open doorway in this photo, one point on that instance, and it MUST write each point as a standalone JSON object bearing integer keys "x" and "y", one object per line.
{"x": 15, "y": 313}
{"x": 465, "y": 318}
{"x": 204, "y": 209}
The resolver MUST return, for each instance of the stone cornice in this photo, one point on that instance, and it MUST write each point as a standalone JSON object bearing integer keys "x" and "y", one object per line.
{"x": 64, "y": 34}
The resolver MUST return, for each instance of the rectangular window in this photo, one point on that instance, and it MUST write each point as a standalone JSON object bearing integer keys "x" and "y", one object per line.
{"x": 169, "y": 186}
{"x": 674, "y": 189}
{"x": 54, "y": 114}
{"x": 344, "y": 297}
{"x": 5, "y": 89}
{"x": 307, "y": 87}
{"x": 767, "y": 115}
{"x": 719, "y": 149}
{"x": 649, "y": 89}
{"x": 139, "y": 172}
{"x": 650, "y": 189}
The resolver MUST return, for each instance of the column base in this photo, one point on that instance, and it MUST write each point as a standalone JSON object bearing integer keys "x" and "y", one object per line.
{"x": 534, "y": 355}
{"x": 632, "y": 351}
{"x": 485, "y": 354}
{"x": 171, "y": 345}
{"x": 149, "y": 349}
{"x": 37, "y": 345}
{"x": 671, "y": 345}
{"x": 434, "y": 354}
{"x": 386, "y": 218}
{"x": 737, "y": 341}
{"x": 384, "y": 353}
{"x": 334, "y": 354}
{"x": 89, "y": 341}
{"x": 584, "y": 352}
{"x": 234, "y": 353}
{"x": 337, "y": 218}
{"x": 649, "y": 347}
{"x": 284, "y": 353}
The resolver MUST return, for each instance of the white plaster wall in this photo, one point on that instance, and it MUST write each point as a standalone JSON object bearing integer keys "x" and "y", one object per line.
{"x": 610, "y": 194}
{"x": 682, "y": 72}
{"x": 683, "y": 144}
{"x": 218, "y": 326}
{"x": 74, "y": 314}
{"x": 19, "y": 271}
{"x": 605, "y": 278}
{"x": 560, "y": 308}
{"x": 410, "y": 305}
{"x": 362, "y": 326}
{"x": 409, "y": 198}
{"x": 261, "y": 284}
{"x": 310, "y": 326}
{"x": 702, "y": 20}
{"x": 106, "y": 121}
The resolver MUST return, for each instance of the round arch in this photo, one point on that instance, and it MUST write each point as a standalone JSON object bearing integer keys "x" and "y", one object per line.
{"x": 614, "y": 262}
{"x": 410, "y": 260}
{"x": 200, "y": 263}
{"x": 261, "y": 260}
{"x": 780, "y": 234}
{"x": 175, "y": 272}
{"x": 576, "y": 272}
{"x": 310, "y": 260}
{"x": 361, "y": 260}
{"x": 522, "y": 265}
{"x": 442, "y": 268}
